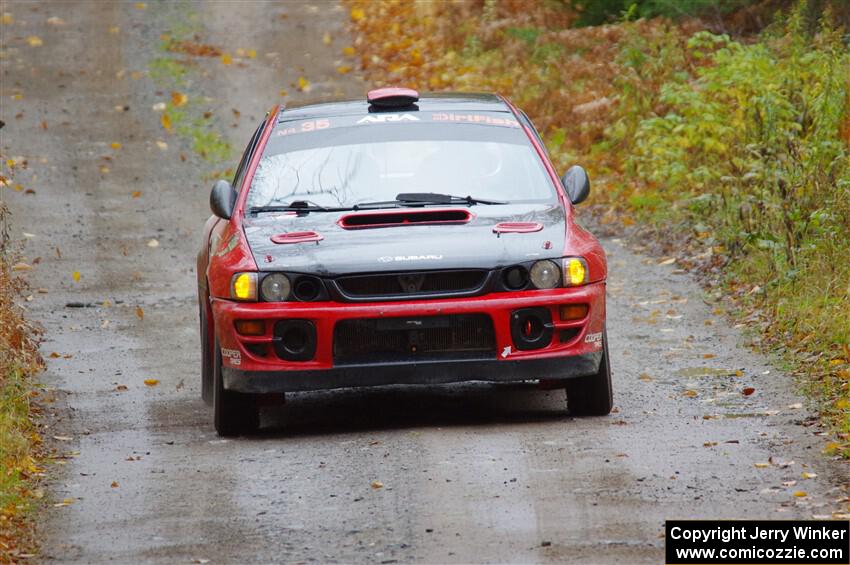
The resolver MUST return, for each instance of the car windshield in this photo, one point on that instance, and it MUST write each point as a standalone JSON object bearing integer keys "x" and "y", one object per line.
{"x": 348, "y": 174}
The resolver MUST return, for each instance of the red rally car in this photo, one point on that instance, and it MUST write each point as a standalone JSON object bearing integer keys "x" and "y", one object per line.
{"x": 401, "y": 239}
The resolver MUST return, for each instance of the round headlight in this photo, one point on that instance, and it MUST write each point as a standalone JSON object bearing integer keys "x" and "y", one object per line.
{"x": 275, "y": 287}
{"x": 545, "y": 274}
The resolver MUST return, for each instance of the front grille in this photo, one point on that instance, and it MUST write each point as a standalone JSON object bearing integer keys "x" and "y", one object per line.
{"x": 381, "y": 340}
{"x": 411, "y": 284}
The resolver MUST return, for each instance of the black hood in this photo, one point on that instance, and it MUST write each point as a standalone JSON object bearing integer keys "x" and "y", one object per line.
{"x": 406, "y": 247}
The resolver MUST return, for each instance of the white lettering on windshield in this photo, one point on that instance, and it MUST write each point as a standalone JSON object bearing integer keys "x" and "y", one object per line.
{"x": 380, "y": 119}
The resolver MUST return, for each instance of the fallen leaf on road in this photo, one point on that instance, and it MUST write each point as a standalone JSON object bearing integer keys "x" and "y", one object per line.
{"x": 55, "y": 355}
{"x": 690, "y": 393}
{"x": 141, "y": 5}
{"x": 135, "y": 194}
{"x": 343, "y": 69}
{"x": 21, "y": 267}
{"x": 165, "y": 120}
{"x": 357, "y": 14}
{"x": 162, "y": 145}
{"x": 178, "y": 99}
{"x": 55, "y": 21}
{"x": 327, "y": 39}
{"x": 153, "y": 244}
{"x": 748, "y": 391}
{"x": 114, "y": 30}
{"x": 796, "y": 406}
{"x": 226, "y": 59}
{"x": 762, "y": 465}
{"x": 140, "y": 314}
{"x": 66, "y": 502}
{"x": 63, "y": 438}
{"x": 75, "y": 275}
{"x": 158, "y": 107}
{"x": 115, "y": 145}
{"x": 121, "y": 388}
{"x": 377, "y": 484}
{"x": 303, "y": 84}
{"x": 789, "y": 483}
{"x": 114, "y": 484}
{"x": 645, "y": 377}
{"x": 807, "y": 475}
{"x": 348, "y": 51}
{"x": 800, "y": 494}
{"x": 7, "y": 19}
{"x": 283, "y": 93}
{"x": 151, "y": 382}
{"x": 35, "y": 41}
{"x": 709, "y": 356}
{"x": 669, "y": 261}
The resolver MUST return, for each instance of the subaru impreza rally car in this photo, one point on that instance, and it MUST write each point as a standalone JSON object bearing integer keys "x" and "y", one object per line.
{"x": 401, "y": 239}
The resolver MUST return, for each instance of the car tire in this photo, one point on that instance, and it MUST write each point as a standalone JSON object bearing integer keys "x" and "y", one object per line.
{"x": 592, "y": 395}
{"x": 206, "y": 360}
{"x": 235, "y": 413}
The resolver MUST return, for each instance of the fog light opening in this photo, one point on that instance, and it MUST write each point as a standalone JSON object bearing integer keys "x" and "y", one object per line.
{"x": 294, "y": 340}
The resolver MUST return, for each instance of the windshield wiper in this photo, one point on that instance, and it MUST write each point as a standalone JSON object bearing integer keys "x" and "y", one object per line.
{"x": 422, "y": 198}
{"x": 304, "y": 207}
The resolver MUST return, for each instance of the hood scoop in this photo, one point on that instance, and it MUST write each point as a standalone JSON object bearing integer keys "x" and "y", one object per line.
{"x": 297, "y": 237}
{"x": 517, "y": 227}
{"x": 403, "y": 218}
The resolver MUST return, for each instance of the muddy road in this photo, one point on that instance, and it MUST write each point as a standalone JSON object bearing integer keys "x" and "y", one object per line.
{"x": 470, "y": 473}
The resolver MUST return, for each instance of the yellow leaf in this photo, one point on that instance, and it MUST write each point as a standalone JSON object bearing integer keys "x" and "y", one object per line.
{"x": 842, "y": 403}
{"x": 104, "y": 169}
{"x": 76, "y": 276}
{"x": 140, "y": 313}
{"x": 6, "y": 18}
{"x": 66, "y": 502}
{"x": 800, "y": 494}
{"x": 762, "y": 465}
{"x": 709, "y": 356}
{"x": 377, "y": 484}
{"x": 645, "y": 377}
{"x": 166, "y": 121}
{"x": 357, "y": 14}
{"x": 252, "y": 53}
{"x": 303, "y": 84}
{"x": 161, "y": 144}
{"x": 283, "y": 93}
{"x": 114, "y": 484}
{"x": 348, "y": 51}
{"x": 116, "y": 145}
{"x": 343, "y": 69}
{"x": 835, "y": 362}
{"x": 135, "y": 194}
{"x": 114, "y": 30}
{"x": 151, "y": 382}
{"x": 690, "y": 393}
{"x": 226, "y": 59}
{"x": 21, "y": 267}
{"x": 327, "y": 39}
{"x": 807, "y": 475}
{"x": 178, "y": 99}
{"x": 55, "y": 355}
{"x": 35, "y": 41}
{"x": 141, "y": 5}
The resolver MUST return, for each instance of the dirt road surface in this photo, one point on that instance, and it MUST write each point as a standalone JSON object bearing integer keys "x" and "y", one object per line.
{"x": 470, "y": 473}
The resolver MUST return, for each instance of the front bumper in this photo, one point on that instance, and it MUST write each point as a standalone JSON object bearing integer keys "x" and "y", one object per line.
{"x": 422, "y": 373}
{"x": 245, "y": 371}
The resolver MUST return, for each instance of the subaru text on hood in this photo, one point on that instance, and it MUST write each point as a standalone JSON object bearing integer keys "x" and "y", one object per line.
{"x": 398, "y": 240}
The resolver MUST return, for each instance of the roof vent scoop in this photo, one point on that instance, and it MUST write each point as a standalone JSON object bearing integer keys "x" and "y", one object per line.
{"x": 392, "y": 97}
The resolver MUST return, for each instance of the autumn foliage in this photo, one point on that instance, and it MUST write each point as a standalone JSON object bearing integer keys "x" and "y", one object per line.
{"x": 19, "y": 362}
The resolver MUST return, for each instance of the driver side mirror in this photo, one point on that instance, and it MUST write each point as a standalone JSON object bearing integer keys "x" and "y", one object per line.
{"x": 576, "y": 183}
{"x": 222, "y": 199}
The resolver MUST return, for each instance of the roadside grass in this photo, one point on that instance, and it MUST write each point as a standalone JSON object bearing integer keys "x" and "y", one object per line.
{"x": 737, "y": 149}
{"x": 185, "y": 114}
{"x": 20, "y": 442}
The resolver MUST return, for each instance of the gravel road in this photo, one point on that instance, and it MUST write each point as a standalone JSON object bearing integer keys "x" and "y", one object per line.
{"x": 470, "y": 473}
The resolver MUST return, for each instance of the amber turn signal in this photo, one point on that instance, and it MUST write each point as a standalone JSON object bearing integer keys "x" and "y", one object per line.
{"x": 573, "y": 311}
{"x": 250, "y": 327}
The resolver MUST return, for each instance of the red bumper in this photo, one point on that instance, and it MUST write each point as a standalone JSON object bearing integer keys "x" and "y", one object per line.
{"x": 579, "y": 340}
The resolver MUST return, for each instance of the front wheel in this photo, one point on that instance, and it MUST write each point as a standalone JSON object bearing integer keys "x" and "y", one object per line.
{"x": 206, "y": 359}
{"x": 234, "y": 412}
{"x": 592, "y": 395}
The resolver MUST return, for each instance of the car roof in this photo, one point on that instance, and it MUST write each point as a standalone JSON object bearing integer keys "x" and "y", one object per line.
{"x": 429, "y": 101}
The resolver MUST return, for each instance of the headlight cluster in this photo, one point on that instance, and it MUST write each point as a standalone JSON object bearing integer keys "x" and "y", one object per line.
{"x": 547, "y": 273}
{"x": 274, "y": 287}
